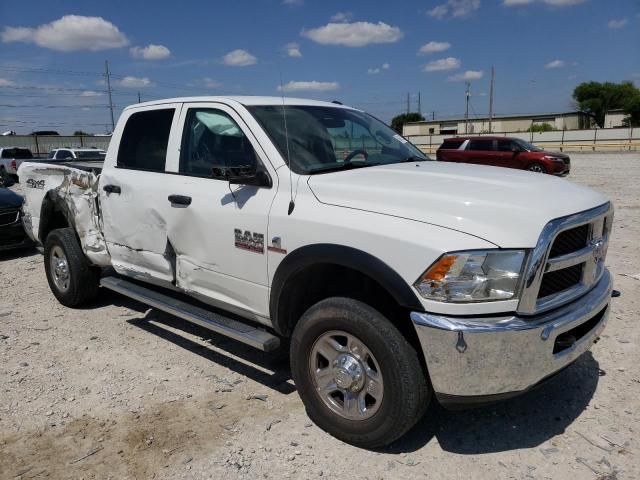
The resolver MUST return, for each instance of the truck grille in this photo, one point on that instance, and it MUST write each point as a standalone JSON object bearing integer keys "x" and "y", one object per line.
{"x": 568, "y": 260}
{"x": 9, "y": 216}
{"x": 570, "y": 241}
{"x": 560, "y": 280}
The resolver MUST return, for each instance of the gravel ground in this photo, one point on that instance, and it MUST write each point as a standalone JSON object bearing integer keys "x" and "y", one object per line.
{"x": 118, "y": 390}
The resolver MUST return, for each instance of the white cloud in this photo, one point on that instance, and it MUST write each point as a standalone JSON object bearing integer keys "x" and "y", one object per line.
{"x": 563, "y": 3}
{"x": 135, "y": 82}
{"x": 6, "y": 83}
{"x": 292, "y": 2}
{"x": 467, "y": 76}
{"x": 614, "y": 24}
{"x": 376, "y": 70}
{"x": 312, "y": 85}
{"x": 69, "y": 33}
{"x": 434, "y": 47}
{"x": 293, "y": 50}
{"x": 342, "y": 17}
{"x": 211, "y": 83}
{"x": 515, "y": 3}
{"x": 454, "y": 8}
{"x": 239, "y": 58}
{"x": 150, "y": 52}
{"x": 449, "y": 63}
{"x": 357, "y": 34}
{"x": 91, "y": 93}
{"x": 555, "y": 64}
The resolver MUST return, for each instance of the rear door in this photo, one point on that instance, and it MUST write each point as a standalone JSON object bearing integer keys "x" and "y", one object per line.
{"x": 480, "y": 151}
{"x": 133, "y": 195}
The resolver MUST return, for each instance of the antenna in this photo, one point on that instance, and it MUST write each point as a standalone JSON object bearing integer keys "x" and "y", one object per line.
{"x": 286, "y": 137}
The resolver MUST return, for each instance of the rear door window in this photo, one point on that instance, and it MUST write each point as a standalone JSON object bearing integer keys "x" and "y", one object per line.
{"x": 481, "y": 145}
{"x": 143, "y": 145}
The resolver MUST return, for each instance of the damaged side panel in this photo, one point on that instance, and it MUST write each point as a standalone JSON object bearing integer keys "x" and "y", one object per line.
{"x": 68, "y": 191}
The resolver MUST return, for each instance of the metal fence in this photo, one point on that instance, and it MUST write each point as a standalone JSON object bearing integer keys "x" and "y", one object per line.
{"x": 601, "y": 139}
{"x": 42, "y": 145}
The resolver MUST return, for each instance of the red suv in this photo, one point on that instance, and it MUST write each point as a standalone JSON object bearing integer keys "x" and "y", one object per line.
{"x": 503, "y": 152}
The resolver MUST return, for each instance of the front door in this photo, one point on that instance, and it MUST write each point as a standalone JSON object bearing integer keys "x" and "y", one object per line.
{"x": 218, "y": 230}
{"x": 481, "y": 151}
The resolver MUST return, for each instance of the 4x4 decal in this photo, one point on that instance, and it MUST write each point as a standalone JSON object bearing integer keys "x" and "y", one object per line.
{"x": 254, "y": 242}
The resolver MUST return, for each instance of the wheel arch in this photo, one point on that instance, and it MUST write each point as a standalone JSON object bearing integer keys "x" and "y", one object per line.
{"x": 54, "y": 213}
{"x": 302, "y": 265}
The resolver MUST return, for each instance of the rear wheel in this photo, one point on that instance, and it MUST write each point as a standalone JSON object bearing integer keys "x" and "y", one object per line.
{"x": 537, "y": 168}
{"x": 359, "y": 378}
{"x": 72, "y": 280}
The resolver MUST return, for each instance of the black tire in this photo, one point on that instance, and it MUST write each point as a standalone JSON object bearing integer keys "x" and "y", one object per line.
{"x": 536, "y": 167}
{"x": 406, "y": 392}
{"x": 83, "y": 279}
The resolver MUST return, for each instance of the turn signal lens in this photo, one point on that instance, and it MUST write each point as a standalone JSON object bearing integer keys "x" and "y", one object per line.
{"x": 439, "y": 270}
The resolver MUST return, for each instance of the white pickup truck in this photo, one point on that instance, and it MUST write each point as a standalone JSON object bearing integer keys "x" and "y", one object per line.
{"x": 283, "y": 221}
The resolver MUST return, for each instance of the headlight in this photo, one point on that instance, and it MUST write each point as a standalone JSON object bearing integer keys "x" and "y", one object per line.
{"x": 475, "y": 276}
{"x": 554, "y": 159}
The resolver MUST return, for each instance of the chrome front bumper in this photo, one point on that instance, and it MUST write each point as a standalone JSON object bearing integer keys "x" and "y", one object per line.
{"x": 501, "y": 356}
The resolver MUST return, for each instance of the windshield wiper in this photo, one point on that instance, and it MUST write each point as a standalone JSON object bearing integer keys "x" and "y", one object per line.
{"x": 338, "y": 167}
{"x": 414, "y": 158}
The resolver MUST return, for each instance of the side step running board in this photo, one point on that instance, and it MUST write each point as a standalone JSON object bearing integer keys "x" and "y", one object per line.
{"x": 215, "y": 322}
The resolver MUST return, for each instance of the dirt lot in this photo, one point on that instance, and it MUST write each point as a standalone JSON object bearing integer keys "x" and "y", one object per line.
{"x": 117, "y": 390}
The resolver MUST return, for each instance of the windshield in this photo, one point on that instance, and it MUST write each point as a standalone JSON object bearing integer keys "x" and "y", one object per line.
{"x": 323, "y": 139}
{"x": 526, "y": 145}
{"x": 90, "y": 154}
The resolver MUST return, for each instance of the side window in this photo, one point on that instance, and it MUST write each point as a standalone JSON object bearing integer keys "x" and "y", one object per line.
{"x": 481, "y": 145}
{"x": 143, "y": 145}
{"x": 505, "y": 145}
{"x": 63, "y": 155}
{"x": 213, "y": 140}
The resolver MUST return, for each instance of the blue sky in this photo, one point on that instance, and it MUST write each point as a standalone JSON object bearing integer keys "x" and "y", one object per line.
{"x": 363, "y": 53}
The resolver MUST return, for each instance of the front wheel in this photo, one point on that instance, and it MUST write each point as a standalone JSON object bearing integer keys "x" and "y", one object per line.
{"x": 359, "y": 378}
{"x": 537, "y": 168}
{"x": 72, "y": 280}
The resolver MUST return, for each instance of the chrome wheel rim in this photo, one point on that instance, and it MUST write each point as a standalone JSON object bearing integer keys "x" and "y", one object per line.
{"x": 536, "y": 168}
{"x": 59, "y": 269}
{"x": 346, "y": 375}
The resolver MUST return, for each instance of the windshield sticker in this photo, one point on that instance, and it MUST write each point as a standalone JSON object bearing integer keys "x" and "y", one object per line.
{"x": 400, "y": 138}
{"x": 253, "y": 242}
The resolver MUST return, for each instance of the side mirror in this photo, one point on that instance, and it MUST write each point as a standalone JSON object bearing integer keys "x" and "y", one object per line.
{"x": 249, "y": 175}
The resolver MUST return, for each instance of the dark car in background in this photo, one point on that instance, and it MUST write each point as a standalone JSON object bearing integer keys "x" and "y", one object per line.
{"x": 12, "y": 235}
{"x": 503, "y": 152}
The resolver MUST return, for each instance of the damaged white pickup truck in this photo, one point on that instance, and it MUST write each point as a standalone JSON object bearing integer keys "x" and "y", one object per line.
{"x": 394, "y": 278}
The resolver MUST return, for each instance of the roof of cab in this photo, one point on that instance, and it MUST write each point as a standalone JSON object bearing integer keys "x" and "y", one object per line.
{"x": 244, "y": 100}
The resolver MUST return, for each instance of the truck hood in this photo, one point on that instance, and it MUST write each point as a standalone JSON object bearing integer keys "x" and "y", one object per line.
{"x": 506, "y": 207}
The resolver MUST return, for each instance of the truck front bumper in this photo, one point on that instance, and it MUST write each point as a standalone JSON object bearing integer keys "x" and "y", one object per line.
{"x": 475, "y": 360}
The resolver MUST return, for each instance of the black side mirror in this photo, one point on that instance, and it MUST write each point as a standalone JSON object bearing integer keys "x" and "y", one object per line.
{"x": 249, "y": 175}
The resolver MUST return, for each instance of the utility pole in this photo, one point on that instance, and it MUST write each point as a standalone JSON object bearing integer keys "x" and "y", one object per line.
{"x": 491, "y": 100}
{"x": 419, "y": 106}
{"x": 466, "y": 111}
{"x": 139, "y": 101}
{"x": 106, "y": 74}
{"x": 408, "y": 103}
{"x": 433, "y": 115}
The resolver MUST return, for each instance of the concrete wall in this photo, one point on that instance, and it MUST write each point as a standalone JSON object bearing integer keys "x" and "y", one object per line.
{"x": 602, "y": 139}
{"x": 42, "y": 145}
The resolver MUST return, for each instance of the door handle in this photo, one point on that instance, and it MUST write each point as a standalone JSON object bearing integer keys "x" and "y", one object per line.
{"x": 112, "y": 189}
{"x": 179, "y": 200}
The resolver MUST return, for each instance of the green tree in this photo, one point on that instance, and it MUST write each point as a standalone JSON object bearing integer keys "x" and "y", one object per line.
{"x": 399, "y": 120}
{"x": 540, "y": 127}
{"x": 632, "y": 109}
{"x": 598, "y": 98}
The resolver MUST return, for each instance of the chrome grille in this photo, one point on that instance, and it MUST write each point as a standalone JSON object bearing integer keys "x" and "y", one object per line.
{"x": 567, "y": 261}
